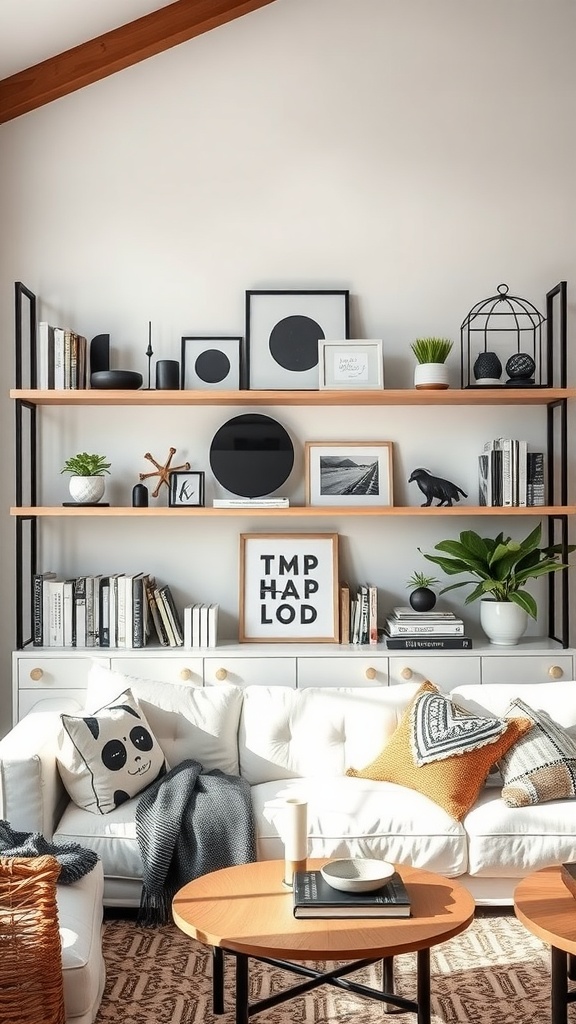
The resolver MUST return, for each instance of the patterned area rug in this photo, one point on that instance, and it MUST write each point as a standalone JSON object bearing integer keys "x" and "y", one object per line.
{"x": 496, "y": 972}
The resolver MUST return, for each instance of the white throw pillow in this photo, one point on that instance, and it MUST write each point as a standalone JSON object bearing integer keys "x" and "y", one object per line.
{"x": 109, "y": 756}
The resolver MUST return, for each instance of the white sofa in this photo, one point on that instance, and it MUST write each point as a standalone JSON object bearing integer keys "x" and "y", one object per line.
{"x": 290, "y": 742}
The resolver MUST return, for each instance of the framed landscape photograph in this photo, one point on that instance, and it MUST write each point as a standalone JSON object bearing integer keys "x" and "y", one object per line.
{"x": 283, "y": 330}
{"x": 351, "y": 364}
{"x": 355, "y": 473}
{"x": 289, "y": 588}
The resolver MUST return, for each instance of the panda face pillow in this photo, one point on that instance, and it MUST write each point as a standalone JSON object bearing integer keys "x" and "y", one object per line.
{"x": 107, "y": 757}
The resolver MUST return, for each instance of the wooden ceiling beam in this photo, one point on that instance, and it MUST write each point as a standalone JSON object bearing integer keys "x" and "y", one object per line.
{"x": 106, "y": 54}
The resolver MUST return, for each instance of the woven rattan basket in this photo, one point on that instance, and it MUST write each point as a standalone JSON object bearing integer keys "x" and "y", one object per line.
{"x": 31, "y": 989}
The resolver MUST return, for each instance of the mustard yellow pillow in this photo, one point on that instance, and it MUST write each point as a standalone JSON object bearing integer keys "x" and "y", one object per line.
{"x": 453, "y": 781}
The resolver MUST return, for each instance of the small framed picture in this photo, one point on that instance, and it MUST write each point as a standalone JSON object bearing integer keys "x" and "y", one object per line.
{"x": 357, "y": 473}
{"x": 283, "y": 329}
{"x": 351, "y": 364}
{"x": 210, "y": 364}
{"x": 186, "y": 490}
{"x": 289, "y": 587}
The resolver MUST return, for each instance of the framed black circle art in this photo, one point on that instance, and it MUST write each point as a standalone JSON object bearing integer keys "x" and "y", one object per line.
{"x": 251, "y": 455}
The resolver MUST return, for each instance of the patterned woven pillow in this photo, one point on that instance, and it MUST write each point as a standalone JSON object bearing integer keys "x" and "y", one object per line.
{"x": 542, "y": 765}
{"x": 454, "y": 778}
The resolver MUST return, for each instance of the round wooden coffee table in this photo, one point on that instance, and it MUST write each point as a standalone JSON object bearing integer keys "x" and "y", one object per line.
{"x": 247, "y": 912}
{"x": 547, "y": 909}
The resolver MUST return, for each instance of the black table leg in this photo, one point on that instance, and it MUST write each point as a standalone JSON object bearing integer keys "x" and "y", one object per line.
{"x": 388, "y": 982}
{"x": 559, "y": 986}
{"x": 241, "y": 989}
{"x": 423, "y": 997}
{"x": 217, "y": 980}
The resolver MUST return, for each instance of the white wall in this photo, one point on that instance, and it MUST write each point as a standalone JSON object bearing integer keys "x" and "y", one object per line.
{"x": 416, "y": 153}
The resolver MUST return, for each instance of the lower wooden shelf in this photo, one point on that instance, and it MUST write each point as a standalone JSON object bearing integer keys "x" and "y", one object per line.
{"x": 294, "y": 511}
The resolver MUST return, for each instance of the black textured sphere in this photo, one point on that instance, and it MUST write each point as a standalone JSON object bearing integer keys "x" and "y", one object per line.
{"x": 520, "y": 365}
{"x": 487, "y": 365}
{"x": 422, "y": 599}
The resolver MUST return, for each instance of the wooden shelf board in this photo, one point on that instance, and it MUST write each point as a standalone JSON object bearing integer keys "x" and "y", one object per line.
{"x": 403, "y": 396}
{"x": 293, "y": 512}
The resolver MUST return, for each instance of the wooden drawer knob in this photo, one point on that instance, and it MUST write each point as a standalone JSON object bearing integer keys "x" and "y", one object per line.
{"x": 406, "y": 673}
{"x": 555, "y": 672}
{"x": 185, "y": 674}
{"x": 37, "y": 673}
{"x": 221, "y": 674}
{"x": 370, "y": 673}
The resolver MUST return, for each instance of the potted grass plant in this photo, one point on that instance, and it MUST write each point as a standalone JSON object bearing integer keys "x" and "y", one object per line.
{"x": 87, "y": 482}
{"x": 431, "y": 354}
{"x": 500, "y": 569}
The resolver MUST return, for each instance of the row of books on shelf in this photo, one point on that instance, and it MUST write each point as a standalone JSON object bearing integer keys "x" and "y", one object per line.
{"x": 118, "y": 610}
{"x": 62, "y": 358}
{"x": 509, "y": 474}
{"x": 407, "y": 630}
{"x": 358, "y": 614}
{"x": 201, "y": 625}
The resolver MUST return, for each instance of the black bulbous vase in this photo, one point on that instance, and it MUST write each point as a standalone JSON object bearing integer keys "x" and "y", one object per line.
{"x": 422, "y": 599}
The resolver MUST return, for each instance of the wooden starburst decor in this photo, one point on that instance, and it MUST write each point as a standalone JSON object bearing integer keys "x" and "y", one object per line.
{"x": 162, "y": 471}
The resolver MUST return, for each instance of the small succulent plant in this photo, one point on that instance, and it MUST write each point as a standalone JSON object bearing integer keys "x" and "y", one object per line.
{"x": 84, "y": 464}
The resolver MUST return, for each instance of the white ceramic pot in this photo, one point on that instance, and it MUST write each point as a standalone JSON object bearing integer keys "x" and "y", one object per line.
{"x": 433, "y": 376}
{"x": 503, "y": 621}
{"x": 86, "y": 489}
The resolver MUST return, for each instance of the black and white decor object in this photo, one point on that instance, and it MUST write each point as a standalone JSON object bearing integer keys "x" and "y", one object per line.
{"x": 186, "y": 490}
{"x": 251, "y": 455}
{"x": 495, "y": 330}
{"x": 283, "y": 329}
{"x": 210, "y": 364}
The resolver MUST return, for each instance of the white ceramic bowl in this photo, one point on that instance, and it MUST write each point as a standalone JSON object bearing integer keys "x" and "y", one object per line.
{"x": 357, "y": 875}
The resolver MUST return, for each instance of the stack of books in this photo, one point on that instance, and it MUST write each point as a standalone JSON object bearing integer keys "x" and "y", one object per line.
{"x": 358, "y": 614}
{"x": 510, "y": 475}
{"x": 277, "y": 502}
{"x": 407, "y": 630}
{"x": 62, "y": 358}
{"x": 314, "y": 897}
{"x": 201, "y": 625}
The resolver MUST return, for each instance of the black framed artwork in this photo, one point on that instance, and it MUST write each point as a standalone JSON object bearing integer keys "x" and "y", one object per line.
{"x": 186, "y": 490}
{"x": 210, "y": 364}
{"x": 283, "y": 329}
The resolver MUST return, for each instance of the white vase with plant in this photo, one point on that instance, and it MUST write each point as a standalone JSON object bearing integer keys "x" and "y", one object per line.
{"x": 87, "y": 482}
{"x": 431, "y": 371}
{"x": 500, "y": 569}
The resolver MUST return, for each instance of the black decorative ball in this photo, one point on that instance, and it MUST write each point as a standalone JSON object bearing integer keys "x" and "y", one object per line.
{"x": 487, "y": 365}
{"x": 422, "y": 599}
{"x": 520, "y": 365}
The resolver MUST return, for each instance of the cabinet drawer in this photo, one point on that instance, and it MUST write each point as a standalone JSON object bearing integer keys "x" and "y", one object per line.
{"x": 250, "y": 671}
{"x": 528, "y": 668}
{"x": 68, "y": 701}
{"x": 49, "y": 673}
{"x": 166, "y": 670}
{"x": 445, "y": 673}
{"x": 342, "y": 671}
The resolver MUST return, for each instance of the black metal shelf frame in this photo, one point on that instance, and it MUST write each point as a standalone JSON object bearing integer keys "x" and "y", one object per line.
{"x": 27, "y": 468}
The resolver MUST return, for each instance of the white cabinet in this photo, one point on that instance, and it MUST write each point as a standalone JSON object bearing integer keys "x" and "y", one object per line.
{"x": 534, "y": 668}
{"x": 362, "y": 670}
{"x": 444, "y": 671}
{"x": 250, "y": 671}
{"x": 186, "y": 671}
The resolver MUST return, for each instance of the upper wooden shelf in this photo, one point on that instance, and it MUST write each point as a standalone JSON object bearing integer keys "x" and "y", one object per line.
{"x": 403, "y": 396}
{"x": 293, "y": 512}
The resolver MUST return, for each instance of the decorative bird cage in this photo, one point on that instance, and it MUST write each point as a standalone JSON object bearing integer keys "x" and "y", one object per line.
{"x": 501, "y": 343}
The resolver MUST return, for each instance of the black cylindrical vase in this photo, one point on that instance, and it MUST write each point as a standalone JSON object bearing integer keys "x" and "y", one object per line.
{"x": 167, "y": 375}
{"x": 139, "y": 496}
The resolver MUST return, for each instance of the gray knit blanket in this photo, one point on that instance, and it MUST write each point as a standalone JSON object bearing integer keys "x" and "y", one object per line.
{"x": 188, "y": 823}
{"x": 75, "y": 861}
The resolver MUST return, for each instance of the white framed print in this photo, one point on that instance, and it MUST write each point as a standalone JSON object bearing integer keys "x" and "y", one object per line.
{"x": 283, "y": 329}
{"x": 352, "y": 363}
{"x": 289, "y": 588}
{"x": 349, "y": 473}
{"x": 210, "y": 364}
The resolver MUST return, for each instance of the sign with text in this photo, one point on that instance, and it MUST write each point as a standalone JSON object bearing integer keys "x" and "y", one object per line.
{"x": 289, "y": 587}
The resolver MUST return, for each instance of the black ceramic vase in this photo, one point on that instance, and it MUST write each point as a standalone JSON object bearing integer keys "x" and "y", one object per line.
{"x": 488, "y": 366}
{"x": 422, "y": 599}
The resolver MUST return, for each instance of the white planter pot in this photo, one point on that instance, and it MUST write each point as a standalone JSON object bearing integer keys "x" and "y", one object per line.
{"x": 503, "y": 622}
{"x": 86, "y": 489}
{"x": 431, "y": 375}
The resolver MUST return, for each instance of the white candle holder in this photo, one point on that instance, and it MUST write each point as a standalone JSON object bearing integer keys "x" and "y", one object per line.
{"x": 295, "y": 838}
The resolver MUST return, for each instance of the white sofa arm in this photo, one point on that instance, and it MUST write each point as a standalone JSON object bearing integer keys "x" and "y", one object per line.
{"x": 32, "y": 797}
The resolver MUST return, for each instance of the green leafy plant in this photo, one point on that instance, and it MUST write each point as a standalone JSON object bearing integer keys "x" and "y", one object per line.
{"x": 501, "y": 567}
{"x": 84, "y": 464}
{"x": 432, "y": 350}
{"x": 419, "y": 579}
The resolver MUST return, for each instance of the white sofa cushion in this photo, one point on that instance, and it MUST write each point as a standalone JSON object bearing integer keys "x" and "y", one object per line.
{"x": 188, "y": 721}
{"x": 557, "y": 698}
{"x": 318, "y": 731}
{"x": 80, "y": 921}
{"x": 112, "y": 836}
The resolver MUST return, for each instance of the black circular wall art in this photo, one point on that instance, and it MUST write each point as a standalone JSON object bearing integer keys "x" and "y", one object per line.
{"x": 212, "y": 366}
{"x": 251, "y": 455}
{"x": 294, "y": 343}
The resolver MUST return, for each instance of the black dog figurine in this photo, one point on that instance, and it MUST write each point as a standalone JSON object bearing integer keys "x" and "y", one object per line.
{"x": 436, "y": 487}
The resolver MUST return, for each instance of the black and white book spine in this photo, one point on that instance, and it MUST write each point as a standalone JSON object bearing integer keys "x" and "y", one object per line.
{"x": 442, "y": 627}
{"x": 138, "y": 625}
{"x": 45, "y": 351}
{"x": 80, "y": 611}
{"x": 372, "y": 613}
{"x": 56, "y": 613}
{"x": 484, "y": 479}
{"x": 196, "y": 625}
{"x": 173, "y": 614}
{"x": 165, "y": 619}
{"x": 213, "y": 625}
{"x": 187, "y": 624}
{"x": 68, "y": 624}
{"x": 40, "y": 608}
{"x": 428, "y": 643}
{"x": 59, "y": 333}
{"x": 505, "y": 444}
{"x": 522, "y": 473}
{"x": 104, "y": 612}
{"x": 161, "y": 633}
{"x": 535, "y": 484}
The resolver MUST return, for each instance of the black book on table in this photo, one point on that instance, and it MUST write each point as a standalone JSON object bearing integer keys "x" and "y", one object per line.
{"x": 314, "y": 897}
